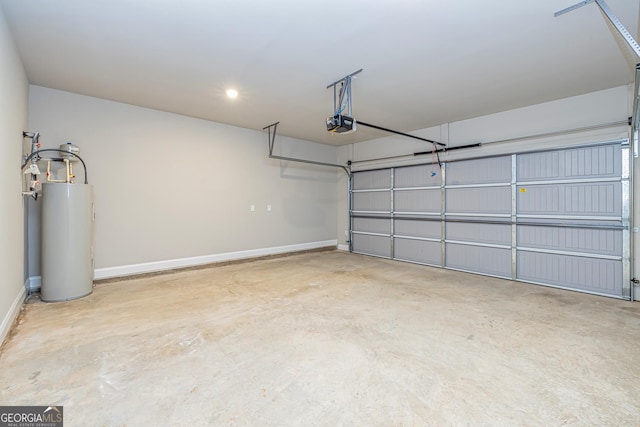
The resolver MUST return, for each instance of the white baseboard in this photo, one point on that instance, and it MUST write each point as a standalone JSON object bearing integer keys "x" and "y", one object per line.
{"x": 343, "y": 248}
{"x": 14, "y": 310}
{"x": 150, "y": 267}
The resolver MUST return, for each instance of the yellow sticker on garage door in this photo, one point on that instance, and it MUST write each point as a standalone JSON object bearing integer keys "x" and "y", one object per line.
{"x": 523, "y": 190}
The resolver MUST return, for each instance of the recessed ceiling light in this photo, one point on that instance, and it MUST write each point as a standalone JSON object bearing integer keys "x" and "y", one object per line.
{"x": 232, "y": 93}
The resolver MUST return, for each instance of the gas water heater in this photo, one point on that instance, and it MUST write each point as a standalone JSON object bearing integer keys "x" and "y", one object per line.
{"x": 67, "y": 241}
{"x": 66, "y": 214}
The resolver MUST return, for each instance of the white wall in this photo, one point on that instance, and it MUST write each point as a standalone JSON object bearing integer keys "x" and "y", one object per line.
{"x": 169, "y": 187}
{"x": 602, "y": 107}
{"x": 597, "y": 108}
{"x": 13, "y": 120}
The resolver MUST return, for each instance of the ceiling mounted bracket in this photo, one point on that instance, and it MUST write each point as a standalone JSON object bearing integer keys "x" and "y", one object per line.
{"x": 342, "y": 88}
{"x": 341, "y": 121}
{"x": 624, "y": 33}
{"x": 633, "y": 44}
{"x": 272, "y": 128}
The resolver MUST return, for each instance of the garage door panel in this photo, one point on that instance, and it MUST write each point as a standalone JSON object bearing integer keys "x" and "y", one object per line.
{"x": 428, "y": 201}
{"x": 589, "y": 199}
{"x": 552, "y": 217}
{"x": 484, "y": 200}
{"x": 586, "y": 162}
{"x": 417, "y": 176}
{"x": 371, "y": 180}
{"x": 418, "y": 228}
{"x": 377, "y": 201}
{"x": 588, "y": 274}
{"x": 485, "y": 260}
{"x": 595, "y": 241}
{"x": 491, "y": 170}
{"x": 372, "y": 245}
{"x": 496, "y": 234}
{"x": 420, "y": 251}
{"x": 372, "y": 225}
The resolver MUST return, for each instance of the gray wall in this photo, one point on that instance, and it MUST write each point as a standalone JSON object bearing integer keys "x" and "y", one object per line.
{"x": 13, "y": 120}
{"x": 171, "y": 187}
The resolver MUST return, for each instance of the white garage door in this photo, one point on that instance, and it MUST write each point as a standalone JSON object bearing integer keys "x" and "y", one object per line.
{"x": 557, "y": 218}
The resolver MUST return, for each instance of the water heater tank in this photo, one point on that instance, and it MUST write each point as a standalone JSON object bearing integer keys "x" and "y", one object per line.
{"x": 67, "y": 241}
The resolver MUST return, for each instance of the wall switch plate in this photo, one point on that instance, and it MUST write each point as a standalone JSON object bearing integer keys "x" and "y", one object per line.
{"x": 252, "y": 208}
{"x": 268, "y": 208}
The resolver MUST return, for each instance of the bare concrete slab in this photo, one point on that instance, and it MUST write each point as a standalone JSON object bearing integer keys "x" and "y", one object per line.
{"x": 327, "y": 338}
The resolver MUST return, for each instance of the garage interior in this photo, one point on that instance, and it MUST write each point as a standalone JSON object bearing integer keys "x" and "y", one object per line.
{"x": 464, "y": 257}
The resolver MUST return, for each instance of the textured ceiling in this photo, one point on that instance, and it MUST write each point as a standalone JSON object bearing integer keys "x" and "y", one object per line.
{"x": 425, "y": 62}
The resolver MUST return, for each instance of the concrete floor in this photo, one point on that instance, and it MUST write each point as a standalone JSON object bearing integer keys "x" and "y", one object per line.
{"x": 331, "y": 339}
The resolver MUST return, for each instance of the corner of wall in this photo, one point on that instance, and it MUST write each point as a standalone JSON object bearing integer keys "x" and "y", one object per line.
{"x": 14, "y": 88}
{"x": 12, "y": 314}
